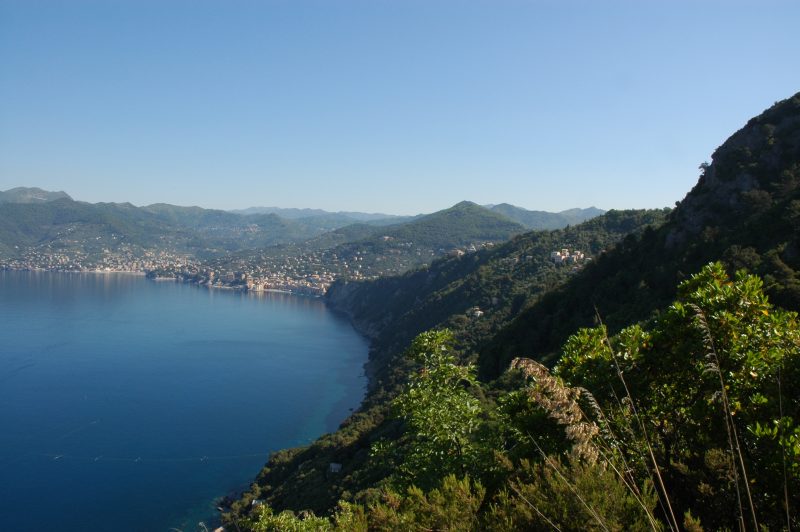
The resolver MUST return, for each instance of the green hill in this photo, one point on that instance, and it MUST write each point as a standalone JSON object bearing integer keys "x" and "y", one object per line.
{"x": 67, "y": 223}
{"x": 228, "y": 231}
{"x": 546, "y": 220}
{"x": 461, "y": 224}
{"x": 369, "y": 251}
{"x": 86, "y": 227}
{"x": 424, "y": 238}
{"x": 500, "y": 281}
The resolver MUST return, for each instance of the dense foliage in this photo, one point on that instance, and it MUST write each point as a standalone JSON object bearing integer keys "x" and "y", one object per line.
{"x": 714, "y": 381}
{"x": 440, "y": 413}
{"x": 686, "y": 421}
{"x": 502, "y": 281}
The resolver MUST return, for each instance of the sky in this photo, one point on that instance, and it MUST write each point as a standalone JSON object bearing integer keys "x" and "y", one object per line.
{"x": 395, "y": 106}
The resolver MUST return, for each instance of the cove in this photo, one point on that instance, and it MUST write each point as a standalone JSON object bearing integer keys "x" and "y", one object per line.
{"x": 128, "y": 404}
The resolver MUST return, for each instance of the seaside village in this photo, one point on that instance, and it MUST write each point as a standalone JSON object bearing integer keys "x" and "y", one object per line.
{"x": 309, "y": 274}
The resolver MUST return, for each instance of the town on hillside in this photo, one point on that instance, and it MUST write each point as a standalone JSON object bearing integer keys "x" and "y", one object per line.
{"x": 293, "y": 270}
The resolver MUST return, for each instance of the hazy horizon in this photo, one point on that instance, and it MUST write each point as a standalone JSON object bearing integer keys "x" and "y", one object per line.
{"x": 304, "y": 208}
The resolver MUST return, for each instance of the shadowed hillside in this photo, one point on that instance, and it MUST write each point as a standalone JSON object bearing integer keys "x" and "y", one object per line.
{"x": 744, "y": 210}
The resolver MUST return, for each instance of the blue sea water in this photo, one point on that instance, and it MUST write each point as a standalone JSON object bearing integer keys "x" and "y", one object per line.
{"x": 128, "y": 404}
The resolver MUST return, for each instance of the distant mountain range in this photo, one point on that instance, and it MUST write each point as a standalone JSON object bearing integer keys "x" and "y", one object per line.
{"x": 88, "y": 227}
{"x": 529, "y": 219}
{"x": 294, "y": 214}
{"x": 543, "y": 219}
{"x": 32, "y": 217}
{"x": 30, "y": 195}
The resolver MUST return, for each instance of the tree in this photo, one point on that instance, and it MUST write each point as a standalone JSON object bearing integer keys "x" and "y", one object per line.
{"x": 441, "y": 416}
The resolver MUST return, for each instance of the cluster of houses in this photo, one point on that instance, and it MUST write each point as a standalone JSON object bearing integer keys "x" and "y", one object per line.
{"x": 472, "y": 248}
{"x": 125, "y": 258}
{"x": 565, "y": 257}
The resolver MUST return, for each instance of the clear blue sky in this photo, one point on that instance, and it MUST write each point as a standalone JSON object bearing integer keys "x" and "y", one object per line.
{"x": 398, "y": 106}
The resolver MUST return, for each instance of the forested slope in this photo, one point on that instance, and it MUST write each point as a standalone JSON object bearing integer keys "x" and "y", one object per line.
{"x": 502, "y": 280}
{"x": 678, "y": 411}
{"x": 744, "y": 210}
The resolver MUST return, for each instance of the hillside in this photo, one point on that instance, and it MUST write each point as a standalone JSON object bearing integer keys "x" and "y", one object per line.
{"x": 365, "y": 251}
{"x": 318, "y": 221}
{"x": 70, "y": 224}
{"x": 461, "y": 224}
{"x": 501, "y": 280}
{"x": 546, "y": 220}
{"x": 418, "y": 241}
{"x": 30, "y": 195}
{"x": 87, "y": 228}
{"x": 744, "y": 210}
{"x": 227, "y": 231}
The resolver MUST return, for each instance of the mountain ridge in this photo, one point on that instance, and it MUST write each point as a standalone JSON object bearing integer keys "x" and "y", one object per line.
{"x": 544, "y": 219}
{"x": 30, "y": 195}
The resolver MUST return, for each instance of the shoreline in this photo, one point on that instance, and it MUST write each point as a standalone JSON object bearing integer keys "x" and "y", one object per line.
{"x": 137, "y": 273}
{"x": 142, "y": 273}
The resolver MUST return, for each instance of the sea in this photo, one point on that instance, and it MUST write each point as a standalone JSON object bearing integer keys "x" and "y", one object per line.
{"x": 130, "y": 404}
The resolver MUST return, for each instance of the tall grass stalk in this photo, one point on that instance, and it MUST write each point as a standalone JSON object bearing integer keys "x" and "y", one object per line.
{"x": 606, "y": 452}
{"x": 733, "y": 437}
{"x": 671, "y": 514}
{"x": 783, "y": 456}
{"x": 562, "y": 405}
{"x": 535, "y": 509}
{"x": 644, "y": 460}
{"x": 572, "y": 488}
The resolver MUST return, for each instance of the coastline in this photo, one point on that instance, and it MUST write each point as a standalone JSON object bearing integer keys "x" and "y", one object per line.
{"x": 138, "y": 273}
{"x": 177, "y": 279}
